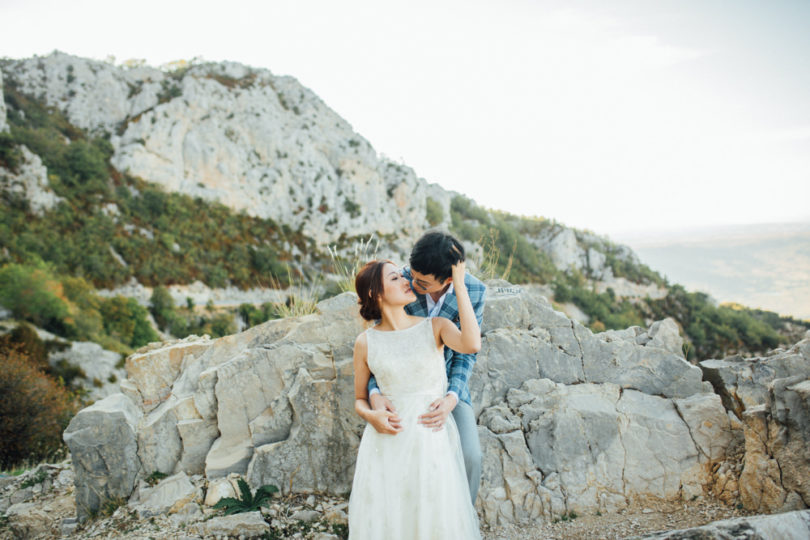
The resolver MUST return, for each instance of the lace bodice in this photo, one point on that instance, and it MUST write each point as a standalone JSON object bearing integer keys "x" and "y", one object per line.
{"x": 407, "y": 361}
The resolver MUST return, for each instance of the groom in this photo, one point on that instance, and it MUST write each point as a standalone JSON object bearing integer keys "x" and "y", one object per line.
{"x": 432, "y": 260}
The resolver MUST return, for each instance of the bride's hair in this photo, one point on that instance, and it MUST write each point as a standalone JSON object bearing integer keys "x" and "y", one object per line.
{"x": 369, "y": 286}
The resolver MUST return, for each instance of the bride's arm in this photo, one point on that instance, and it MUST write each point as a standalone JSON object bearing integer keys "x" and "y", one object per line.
{"x": 380, "y": 419}
{"x": 468, "y": 339}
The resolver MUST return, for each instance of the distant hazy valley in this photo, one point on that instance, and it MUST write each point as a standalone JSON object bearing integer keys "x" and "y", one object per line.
{"x": 763, "y": 266}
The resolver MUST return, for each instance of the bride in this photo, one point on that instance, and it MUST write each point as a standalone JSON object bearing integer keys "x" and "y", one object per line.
{"x": 410, "y": 482}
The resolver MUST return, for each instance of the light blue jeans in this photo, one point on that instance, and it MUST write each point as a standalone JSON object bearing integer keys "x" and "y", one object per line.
{"x": 464, "y": 416}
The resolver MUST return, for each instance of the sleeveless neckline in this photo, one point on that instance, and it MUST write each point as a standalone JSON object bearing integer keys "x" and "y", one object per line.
{"x": 401, "y": 330}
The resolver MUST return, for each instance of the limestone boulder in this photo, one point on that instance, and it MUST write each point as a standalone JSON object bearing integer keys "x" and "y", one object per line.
{"x": 551, "y": 448}
{"x": 743, "y": 382}
{"x": 245, "y": 525}
{"x": 525, "y": 338}
{"x": 154, "y": 371}
{"x": 104, "y": 449}
{"x": 777, "y": 461}
{"x": 35, "y": 519}
{"x": 167, "y": 497}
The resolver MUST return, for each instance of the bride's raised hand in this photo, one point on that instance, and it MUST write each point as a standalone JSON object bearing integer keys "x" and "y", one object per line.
{"x": 458, "y": 272}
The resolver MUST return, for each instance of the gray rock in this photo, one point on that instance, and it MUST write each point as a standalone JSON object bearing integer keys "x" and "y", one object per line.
{"x": 167, "y": 497}
{"x": 188, "y": 513}
{"x": 553, "y": 448}
{"x": 103, "y": 446}
{"x": 98, "y": 364}
{"x": 743, "y": 382}
{"x": 22, "y": 495}
{"x": 68, "y": 526}
{"x": 787, "y": 526}
{"x": 568, "y": 420}
{"x": 248, "y": 525}
{"x": 306, "y": 516}
{"x": 30, "y": 180}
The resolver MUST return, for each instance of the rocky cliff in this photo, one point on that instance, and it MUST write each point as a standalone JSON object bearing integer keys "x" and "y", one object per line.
{"x": 569, "y": 421}
{"x": 225, "y": 132}
{"x": 263, "y": 144}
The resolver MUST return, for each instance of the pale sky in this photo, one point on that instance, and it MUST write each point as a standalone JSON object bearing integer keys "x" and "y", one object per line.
{"x": 616, "y": 116}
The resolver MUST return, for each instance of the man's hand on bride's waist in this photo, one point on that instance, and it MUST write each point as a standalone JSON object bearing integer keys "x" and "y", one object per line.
{"x": 438, "y": 412}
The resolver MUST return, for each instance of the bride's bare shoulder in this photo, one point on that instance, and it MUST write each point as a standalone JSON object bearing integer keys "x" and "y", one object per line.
{"x": 361, "y": 341}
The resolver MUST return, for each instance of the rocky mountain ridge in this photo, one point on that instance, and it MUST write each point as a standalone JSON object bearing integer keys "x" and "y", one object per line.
{"x": 225, "y": 132}
{"x": 259, "y": 143}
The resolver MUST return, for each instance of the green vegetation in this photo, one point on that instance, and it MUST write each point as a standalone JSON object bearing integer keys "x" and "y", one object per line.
{"x": 248, "y": 502}
{"x": 184, "y": 321}
{"x": 434, "y": 212}
{"x": 37, "y": 478}
{"x": 69, "y": 307}
{"x": 154, "y": 478}
{"x": 159, "y": 236}
{"x": 717, "y": 331}
{"x": 605, "y": 310}
{"x": 525, "y": 263}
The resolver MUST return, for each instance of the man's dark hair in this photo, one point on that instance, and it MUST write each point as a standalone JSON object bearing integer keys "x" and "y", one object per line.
{"x": 435, "y": 254}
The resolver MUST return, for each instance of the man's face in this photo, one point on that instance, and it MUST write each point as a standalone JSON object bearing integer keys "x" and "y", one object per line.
{"x": 427, "y": 283}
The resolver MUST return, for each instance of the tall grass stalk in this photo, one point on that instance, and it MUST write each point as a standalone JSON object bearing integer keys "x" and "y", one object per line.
{"x": 303, "y": 295}
{"x": 346, "y": 268}
{"x": 491, "y": 254}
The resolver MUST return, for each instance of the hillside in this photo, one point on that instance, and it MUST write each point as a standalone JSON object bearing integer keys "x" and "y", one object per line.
{"x": 226, "y": 175}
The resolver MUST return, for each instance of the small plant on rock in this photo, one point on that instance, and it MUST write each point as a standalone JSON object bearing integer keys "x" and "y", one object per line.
{"x": 248, "y": 502}
{"x": 155, "y": 477}
{"x": 37, "y": 478}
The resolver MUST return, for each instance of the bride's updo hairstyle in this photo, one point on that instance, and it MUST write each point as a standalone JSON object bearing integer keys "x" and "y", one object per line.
{"x": 369, "y": 286}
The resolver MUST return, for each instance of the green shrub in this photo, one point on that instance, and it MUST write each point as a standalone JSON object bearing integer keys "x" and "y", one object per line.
{"x": 34, "y": 410}
{"x": 717, "y": 331}
{"x": 253, "y": 315}
{"x": 25, "y": 340}
{"x": 126, "y": 320}
{"x": 10, "y": 154}
{"x": 161, "y": 305}
{"x": 33, "y": 294}
{"x": 433, "y": 212}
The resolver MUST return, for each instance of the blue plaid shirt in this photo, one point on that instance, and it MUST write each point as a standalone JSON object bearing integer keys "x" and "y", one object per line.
{"x": 459, "y": 366}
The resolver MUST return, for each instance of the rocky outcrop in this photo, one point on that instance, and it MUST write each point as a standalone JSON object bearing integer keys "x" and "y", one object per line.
{"x": 100, "y": 369}
{"x": 29, "y": 182}
{"x": 254, "y": 141}
{"x": 743, "y": 382}
{"x": 771, "y": 395}
{"x": 569, "y": 420}
{"x": 200, "y": 294}
{"x": 776, "y": 472}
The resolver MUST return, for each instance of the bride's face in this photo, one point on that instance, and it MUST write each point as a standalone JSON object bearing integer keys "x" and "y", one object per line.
{"x": 396, "y": 289}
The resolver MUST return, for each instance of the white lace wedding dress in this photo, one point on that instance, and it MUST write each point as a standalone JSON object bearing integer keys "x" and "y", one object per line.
{"x": 412, "y": 485}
